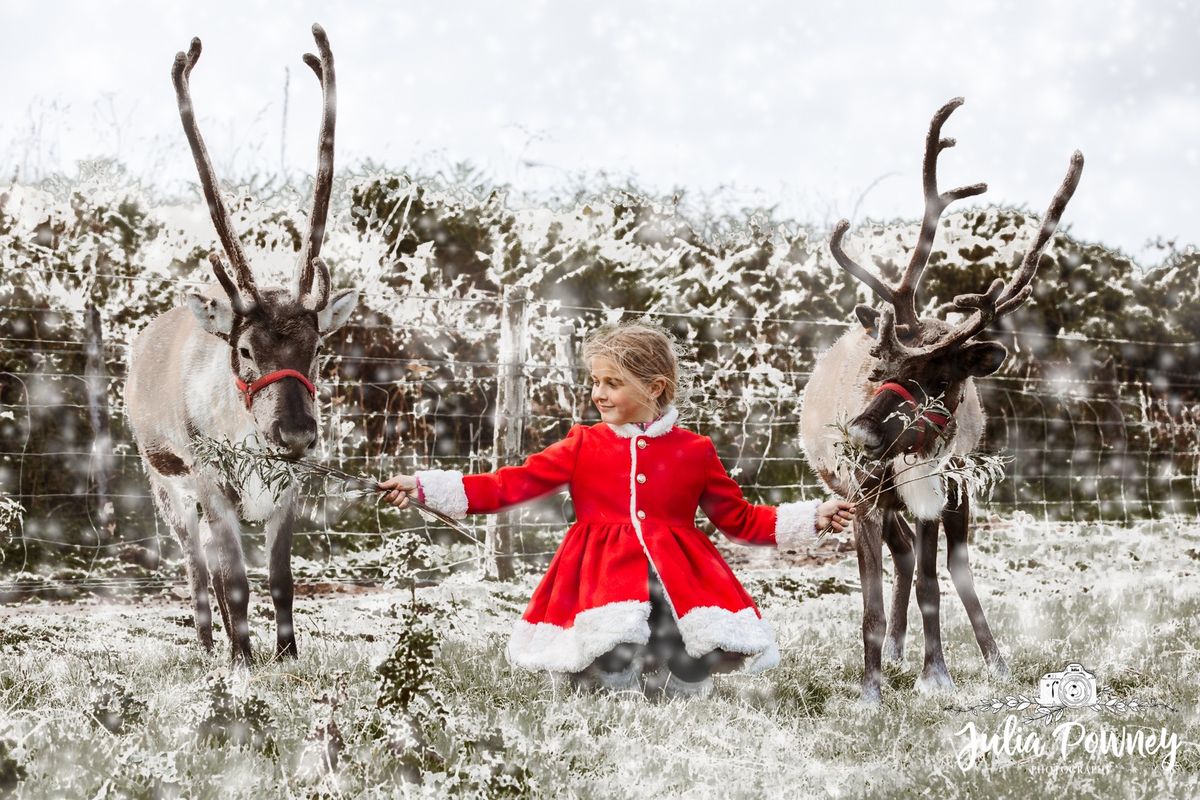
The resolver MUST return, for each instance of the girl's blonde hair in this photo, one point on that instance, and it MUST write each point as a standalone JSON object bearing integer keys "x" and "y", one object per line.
{"x": 643, "y": 353}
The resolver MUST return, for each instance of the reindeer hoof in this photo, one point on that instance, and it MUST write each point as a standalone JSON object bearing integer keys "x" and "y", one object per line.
{"x": 286, "y": 649}
{"x": 998, "y": 669}
{"x": 893, "y": 651}
{"x": 933, "y": 681}
{"x": 871, "y": 694}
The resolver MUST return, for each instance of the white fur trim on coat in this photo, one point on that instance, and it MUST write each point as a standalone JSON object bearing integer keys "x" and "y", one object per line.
{"x": 708, "y": 628}
{"x": 796, "y": 523}
{"x": 662, "y": 425}
{"x": 444, "y": 490}
{"x": 595, "y": 632}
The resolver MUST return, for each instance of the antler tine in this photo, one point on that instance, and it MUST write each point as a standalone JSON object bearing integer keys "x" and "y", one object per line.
{"x": 322, "y": 66}
{"x": 881, "y": 289}
{"x": 317, "y": 299}
{"x": 240, "y": 306}
{"x": 180, "y": 77}
{"x": 935, "y": 204}
{"x": 1021, "y": 284}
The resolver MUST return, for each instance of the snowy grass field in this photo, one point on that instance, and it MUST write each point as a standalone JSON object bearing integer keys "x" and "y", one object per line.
{"x": 116, "y": 699}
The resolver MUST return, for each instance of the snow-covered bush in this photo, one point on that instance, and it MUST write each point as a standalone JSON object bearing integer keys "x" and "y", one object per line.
{"x": 1101, "y": 374}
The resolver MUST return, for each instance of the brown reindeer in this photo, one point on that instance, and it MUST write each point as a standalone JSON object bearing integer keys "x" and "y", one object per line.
{"x": 237, "y": 361}
{"x": 890, "y": 379}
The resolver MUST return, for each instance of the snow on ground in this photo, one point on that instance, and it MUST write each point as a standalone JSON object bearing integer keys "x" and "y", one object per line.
{"x": 1124, "y": 602}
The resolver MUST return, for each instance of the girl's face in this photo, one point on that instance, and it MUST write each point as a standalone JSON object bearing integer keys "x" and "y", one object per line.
{"x": 618, "y": 399}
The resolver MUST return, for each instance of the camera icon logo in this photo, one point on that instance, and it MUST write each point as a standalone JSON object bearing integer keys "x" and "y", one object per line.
{"x": 1074, "y": 687}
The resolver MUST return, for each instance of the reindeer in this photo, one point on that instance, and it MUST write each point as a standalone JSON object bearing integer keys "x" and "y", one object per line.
{"x": 889, "y": 379}
{"x": 236, "y": 361}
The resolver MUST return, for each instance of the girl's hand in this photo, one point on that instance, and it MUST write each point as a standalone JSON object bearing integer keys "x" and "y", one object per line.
{"x": 835, "y": 514}
{"x": 398, "y": 489}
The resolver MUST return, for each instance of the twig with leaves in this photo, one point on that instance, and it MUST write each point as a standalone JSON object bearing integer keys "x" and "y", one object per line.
{"x": 970, "y": 474}
{"x": 241, "y": 464}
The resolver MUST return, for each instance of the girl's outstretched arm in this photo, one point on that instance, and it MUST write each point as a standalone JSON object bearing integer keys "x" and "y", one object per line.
{"x": 786, "y": 525}
{"x": 456, "y": 495}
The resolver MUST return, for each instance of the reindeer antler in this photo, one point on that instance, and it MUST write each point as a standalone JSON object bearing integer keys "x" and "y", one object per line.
{"x": 903, "y": 297}
{"x": 180, "y": 76}
{"x": 323, "y": 184}
{"x": 1000, "y": 299}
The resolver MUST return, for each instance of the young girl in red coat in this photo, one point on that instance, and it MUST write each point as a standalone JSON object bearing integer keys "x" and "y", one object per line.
{"x": 635, "y": 590}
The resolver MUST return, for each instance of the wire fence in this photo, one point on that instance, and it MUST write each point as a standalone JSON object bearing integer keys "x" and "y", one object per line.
{"x": 1085, "y": 445}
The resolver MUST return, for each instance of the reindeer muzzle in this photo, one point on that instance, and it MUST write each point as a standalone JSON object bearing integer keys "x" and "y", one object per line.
{"x": 927, "y": 421}
{"x": 248, "y": 390}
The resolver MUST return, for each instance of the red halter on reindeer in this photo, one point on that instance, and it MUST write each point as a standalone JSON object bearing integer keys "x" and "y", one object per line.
{"x": 893, "y": 379}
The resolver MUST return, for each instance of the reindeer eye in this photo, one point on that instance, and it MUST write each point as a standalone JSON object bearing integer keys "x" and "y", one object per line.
{"x": 245, "y": 352}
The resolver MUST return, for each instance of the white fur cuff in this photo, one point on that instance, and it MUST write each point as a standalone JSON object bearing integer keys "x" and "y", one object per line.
{"x": 796, "y": 523}
{"x": 444, "y": 491}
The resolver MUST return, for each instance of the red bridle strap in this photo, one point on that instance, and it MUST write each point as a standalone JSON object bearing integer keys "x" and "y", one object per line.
{"x": 938, "y": 421}
{"x": 249, "y": 390}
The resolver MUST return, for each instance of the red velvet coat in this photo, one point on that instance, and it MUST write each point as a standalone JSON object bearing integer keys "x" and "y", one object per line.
{"x": 635, "y": 494}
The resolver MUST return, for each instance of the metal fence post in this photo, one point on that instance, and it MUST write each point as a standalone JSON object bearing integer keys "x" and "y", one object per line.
{"x": 509, "y": 423}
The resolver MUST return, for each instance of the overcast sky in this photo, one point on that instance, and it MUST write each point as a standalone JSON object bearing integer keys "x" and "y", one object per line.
{"x": 819, "y": 108}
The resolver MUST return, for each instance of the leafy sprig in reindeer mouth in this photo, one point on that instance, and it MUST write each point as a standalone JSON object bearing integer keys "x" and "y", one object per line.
{"x": 867, "y": 478}
{"x": 240, "y": 465}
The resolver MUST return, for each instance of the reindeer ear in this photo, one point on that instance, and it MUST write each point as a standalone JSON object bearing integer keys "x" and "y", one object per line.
{"x": 214, "y": 314}
{"x": 869, "y": 317}
{"x": 335, "y": 314}
{"x": 981, "y": 358}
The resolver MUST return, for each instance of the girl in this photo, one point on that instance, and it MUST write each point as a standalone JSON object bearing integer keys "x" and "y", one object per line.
{"x": 634, "y": 590}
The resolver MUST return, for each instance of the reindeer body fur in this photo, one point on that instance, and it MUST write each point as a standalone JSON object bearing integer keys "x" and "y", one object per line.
{"x": 179, "y": 384}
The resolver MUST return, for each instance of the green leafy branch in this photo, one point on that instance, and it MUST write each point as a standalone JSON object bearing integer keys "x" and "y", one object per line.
{"x": 971, "y": 474}
{"x": 240, "y": 464}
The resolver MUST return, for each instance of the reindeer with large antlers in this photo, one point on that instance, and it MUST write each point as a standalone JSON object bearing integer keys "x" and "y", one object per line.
{"x": 236, "y": 361}
{"x": 890, "y": 379}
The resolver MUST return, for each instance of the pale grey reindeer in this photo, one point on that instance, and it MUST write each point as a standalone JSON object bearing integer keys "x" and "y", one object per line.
{"x": 899, "y": 362}
{"x": 236, "y": 361}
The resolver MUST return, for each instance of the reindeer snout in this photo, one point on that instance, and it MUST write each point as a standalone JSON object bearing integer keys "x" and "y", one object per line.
{"x": 866, "y": 434}
{"x": 299, "y": 435}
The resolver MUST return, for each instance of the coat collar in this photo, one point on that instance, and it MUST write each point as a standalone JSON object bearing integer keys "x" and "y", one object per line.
{"x": 662, "y": 425}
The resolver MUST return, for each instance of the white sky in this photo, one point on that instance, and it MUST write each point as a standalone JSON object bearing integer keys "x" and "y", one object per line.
{"x": 800, "y": 105}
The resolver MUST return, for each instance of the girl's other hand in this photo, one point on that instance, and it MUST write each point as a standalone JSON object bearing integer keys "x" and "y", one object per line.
{"x": 398, "y": 489}
{"x": 835, "y": 514}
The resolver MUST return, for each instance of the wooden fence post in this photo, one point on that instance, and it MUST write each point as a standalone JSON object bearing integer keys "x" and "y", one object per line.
{"x": 509, "y": 423}
{"x": 568, "y": 357}
{"x": 96, "y": 381}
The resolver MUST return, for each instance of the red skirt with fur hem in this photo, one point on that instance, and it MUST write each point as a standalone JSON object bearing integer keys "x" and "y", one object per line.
{"x": 635, "y": 494}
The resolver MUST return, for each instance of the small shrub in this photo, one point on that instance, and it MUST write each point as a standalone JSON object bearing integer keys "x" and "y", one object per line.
{"x": 239, "y": 721}
{"x": 115, "y": 707}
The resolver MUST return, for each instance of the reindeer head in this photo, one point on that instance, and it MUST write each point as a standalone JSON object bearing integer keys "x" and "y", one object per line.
{"x": 922, "y": 364}
{"x": 273, "y": 333}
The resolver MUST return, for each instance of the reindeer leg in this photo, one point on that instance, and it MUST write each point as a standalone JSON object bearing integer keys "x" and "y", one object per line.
{"x": 182, "y": 521}
{"x": 870, "y": 573}
{"x": 957, "y": 519}
{"x": 221, "y": 515}
{"x": 934, "y": 675}
{"x": 899, "y": 539}
{"x": 279, "y": 544}
{"x": 212, "y": 553}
